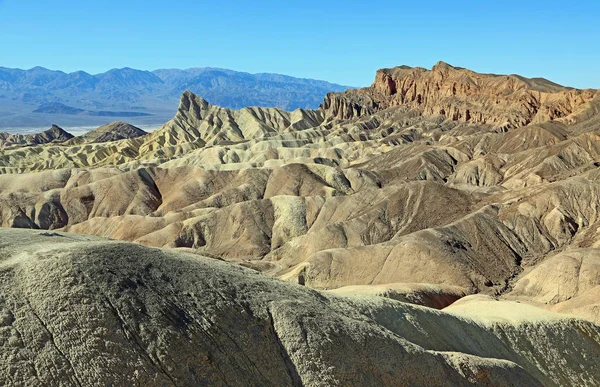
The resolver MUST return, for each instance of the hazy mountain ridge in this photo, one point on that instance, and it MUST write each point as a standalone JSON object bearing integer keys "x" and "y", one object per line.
{"x": 127, "y": 90}
{"x": 59, "y": 108}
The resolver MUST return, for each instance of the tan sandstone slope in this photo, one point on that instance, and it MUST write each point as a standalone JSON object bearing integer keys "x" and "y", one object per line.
{"x": 424, "y": 187}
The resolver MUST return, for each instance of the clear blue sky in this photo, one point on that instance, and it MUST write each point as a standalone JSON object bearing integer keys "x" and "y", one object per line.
{"x": 339, "y": 41}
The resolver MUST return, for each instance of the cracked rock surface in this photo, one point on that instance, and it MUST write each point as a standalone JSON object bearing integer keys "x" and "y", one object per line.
{"x": 80, "y": 311}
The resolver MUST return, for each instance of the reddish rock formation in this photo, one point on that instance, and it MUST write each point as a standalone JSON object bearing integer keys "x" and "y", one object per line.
{"x": 461, "y": 95}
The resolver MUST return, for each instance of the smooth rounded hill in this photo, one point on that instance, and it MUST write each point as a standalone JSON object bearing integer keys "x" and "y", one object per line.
{"x": 110, "y": 132}
{"x": 79, "y": 310}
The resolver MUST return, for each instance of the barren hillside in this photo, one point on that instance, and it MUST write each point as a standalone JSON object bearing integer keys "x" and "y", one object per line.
{"x": 428, "y": 187}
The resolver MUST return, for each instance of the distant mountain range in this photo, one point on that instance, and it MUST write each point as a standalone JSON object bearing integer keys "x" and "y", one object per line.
{"x": 37, "y": 96}
{"x": 59, "y": 108}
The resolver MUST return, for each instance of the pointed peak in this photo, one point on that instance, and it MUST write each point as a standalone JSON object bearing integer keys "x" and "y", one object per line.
{"x": 57, "y": 133}
{"x": 188, "y": 96}
{"x": 114, "y": 131}
{"x": 442, "y": 66}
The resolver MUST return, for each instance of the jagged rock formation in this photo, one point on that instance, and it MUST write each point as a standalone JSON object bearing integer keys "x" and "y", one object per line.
{"x": 196, "y": 125}
{"x": 507, "y": 101}
{"x": 55, "y": 133}
{"x": 78, "y": 310}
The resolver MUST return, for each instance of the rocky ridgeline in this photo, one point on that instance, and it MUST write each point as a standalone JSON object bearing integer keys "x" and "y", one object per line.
{"x": 461, "y": 95}
{"x": 55, "y": 133}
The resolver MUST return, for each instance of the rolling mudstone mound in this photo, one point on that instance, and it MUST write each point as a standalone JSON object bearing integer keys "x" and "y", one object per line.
{"x": 110, "y": 132}
{"x": 423, "y": 188}
{"x": 79, "y": 310}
